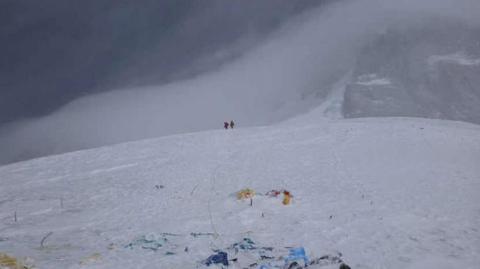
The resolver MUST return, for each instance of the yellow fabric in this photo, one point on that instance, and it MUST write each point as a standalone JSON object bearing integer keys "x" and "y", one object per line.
{"x": 245, "y": 194}
{"x": 10, "y": 262}
{"x": 286, "y": 199}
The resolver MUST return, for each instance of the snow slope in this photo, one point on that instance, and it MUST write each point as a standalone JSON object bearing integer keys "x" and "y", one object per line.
{"x": 386, "y": 193}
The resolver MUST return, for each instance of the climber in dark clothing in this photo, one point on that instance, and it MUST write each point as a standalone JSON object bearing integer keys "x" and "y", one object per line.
{"x": 225, "y": 125}
{"x": 232, "y": 124}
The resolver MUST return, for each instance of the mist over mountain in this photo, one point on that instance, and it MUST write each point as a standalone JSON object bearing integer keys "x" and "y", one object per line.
{"x": 194, "y": 66}
{"x": 428, "y": 69}
{"x": 54, "y": 51}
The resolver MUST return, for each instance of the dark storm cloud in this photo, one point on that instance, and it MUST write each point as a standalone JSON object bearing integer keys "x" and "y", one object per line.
{"x": 53, "y": 51}
{"x": 270, "y": 76}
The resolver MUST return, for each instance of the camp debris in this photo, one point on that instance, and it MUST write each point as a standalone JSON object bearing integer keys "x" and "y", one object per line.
{"x": 299, "y": 260}
{"x": 9, "y": 262}
{"x": 245, "y": 194}
{"x": 91, "y": 259}
{"x": 287, "y": 196}
{"x": 201, "y": 234}
{"x": 273, "y": 193}
{"x": 295, "y": 255}
{"x": 247, "y": 254}
{"x": 150, "y": 241}
{"x": 248, "y": 193}
{"x": 219, "y": 258}
{"x": 245, "y": 244}
{"x": 330, "y": 260}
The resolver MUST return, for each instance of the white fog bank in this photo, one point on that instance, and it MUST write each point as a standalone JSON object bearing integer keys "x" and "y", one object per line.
{"x": 285, "y": 76}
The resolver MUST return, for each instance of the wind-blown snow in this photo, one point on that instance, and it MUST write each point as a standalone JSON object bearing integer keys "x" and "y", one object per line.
{"x": 387, "y": 193}
{"x": 459, "y": 58}
{"x": 372, "y": 79}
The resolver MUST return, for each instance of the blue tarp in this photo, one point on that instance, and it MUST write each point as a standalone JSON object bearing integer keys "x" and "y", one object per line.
{"x": 220, "y": 257}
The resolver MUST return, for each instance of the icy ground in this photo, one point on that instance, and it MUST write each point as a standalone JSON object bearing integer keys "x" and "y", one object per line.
{"x": 386, "y": 193}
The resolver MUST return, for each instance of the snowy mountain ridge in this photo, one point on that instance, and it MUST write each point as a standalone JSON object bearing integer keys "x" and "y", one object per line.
{"x": 383, "y": 192}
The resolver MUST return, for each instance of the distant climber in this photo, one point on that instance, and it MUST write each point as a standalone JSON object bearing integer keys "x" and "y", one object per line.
{"x": 225, "y": 125}
{"x": 232, "y": 124}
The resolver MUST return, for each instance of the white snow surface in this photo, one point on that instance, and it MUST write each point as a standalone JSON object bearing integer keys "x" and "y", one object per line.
{"x": 386, "y": 193}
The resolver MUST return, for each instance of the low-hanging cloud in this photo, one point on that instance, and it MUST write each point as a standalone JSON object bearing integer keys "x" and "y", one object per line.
{"x": 286, "y": 75}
